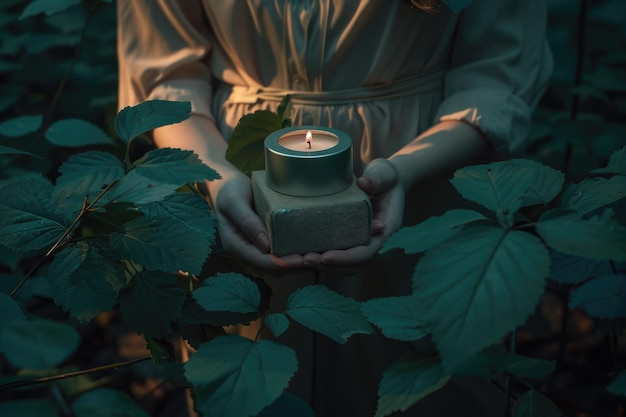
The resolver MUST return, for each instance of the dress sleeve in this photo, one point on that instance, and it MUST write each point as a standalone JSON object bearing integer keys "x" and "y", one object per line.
{"x": 162, "y": 50}
{"x": 500, "y": 66}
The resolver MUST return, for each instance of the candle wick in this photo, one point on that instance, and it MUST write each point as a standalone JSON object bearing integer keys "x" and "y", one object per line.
{"x": 309, "y": 143}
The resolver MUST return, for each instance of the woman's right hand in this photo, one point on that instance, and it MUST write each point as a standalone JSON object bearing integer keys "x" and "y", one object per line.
{"x": 242, "y": 232}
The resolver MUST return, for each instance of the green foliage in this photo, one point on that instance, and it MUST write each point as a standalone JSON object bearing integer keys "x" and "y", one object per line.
{"x": 20, "y": 126}
{"x": 76, "y": 133}
{"x": 287, "y": 405}
{"x": 246, "y": 147}
{"x": 535, "y": 404}
{"x": 400, "y": 318}
{"x": 48, "y": 7}
{"x": 618, "y": 385}
{"x": 603, "y": 297}
{"x": 131, "y": 122}
{"x": 495, "y": 360}
{"x": 228, "y": 292}
{"x": 29, "y": 408}
{"x": 234, "y": 376}
{"x": 106, "y": 402}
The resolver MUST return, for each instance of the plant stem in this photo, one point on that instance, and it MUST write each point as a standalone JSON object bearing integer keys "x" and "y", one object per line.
{"x": 507, "y": 378}
{"x": 61, "y": 241}
{"x": 113, "y": 366}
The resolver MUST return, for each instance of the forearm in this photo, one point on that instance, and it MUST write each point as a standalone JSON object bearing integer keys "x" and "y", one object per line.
{"x": 444, "y": 147}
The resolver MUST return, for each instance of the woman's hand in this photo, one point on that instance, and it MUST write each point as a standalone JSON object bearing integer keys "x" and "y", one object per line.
{"x": 381, "y": 183}
{"x": 242, "y": 232}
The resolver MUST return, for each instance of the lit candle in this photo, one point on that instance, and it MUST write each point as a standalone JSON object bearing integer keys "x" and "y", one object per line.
{"x": 296, "y": 142}
{"x": 294, "y": 168}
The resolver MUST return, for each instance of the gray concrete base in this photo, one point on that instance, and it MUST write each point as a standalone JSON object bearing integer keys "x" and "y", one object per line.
{"x": 313, "y": 224}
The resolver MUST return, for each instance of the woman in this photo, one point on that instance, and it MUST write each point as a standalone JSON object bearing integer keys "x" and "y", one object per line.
{"x": 420, "y": 93}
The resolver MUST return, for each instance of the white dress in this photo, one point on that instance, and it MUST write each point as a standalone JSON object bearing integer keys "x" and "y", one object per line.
{"x": 377, "y": 69}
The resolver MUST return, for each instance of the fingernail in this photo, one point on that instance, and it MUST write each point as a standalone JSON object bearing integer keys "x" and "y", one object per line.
{"x": 262, "y": 242}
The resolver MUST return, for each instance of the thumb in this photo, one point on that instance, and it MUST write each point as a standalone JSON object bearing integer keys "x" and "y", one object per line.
{"x": 379, "y": 176}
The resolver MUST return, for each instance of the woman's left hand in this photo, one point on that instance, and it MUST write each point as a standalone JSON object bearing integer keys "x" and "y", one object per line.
{"x": 381, "y": 183}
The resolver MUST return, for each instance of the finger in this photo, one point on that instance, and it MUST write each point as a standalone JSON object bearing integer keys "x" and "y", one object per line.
{"x": 245, "y": 220}
{"x": 379, "y": 176}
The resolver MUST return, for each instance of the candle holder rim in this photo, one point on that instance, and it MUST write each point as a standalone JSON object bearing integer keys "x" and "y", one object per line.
{"x": 343, "y": 142}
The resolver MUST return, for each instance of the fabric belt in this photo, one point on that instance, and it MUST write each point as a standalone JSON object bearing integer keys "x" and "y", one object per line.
{"x": 418, "y": 84}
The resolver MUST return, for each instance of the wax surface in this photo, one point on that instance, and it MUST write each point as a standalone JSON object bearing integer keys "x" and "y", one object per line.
{"x": 297, "y": 141}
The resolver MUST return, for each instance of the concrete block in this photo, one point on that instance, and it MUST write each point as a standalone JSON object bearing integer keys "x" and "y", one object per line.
{"x": 313, "y": 224}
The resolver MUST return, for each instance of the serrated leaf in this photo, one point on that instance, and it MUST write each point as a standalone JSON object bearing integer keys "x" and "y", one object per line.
{"x": 431, "y": 232}
{"x": 600, "y": 237}
{"x": 38, "y": 344}
{"x": 569, "y": 269}
{"x": 246, "y": 148}
{"x": 400, "y": 318}
{"x": 237, "y": 377}
{"x": 593, "y": 193}
{"x": 408, "y": 380}
{"x": 136, "y": 189}
{"x": 616, "y": 165}
{"x": 7, "y": 150}
{"x": 173, "y": 166}
{"x": 228, "y": 292}
{"x": 477, "y": 286}
{"x": 86, "y": 279}
{"x": 277, "y": 322}
{"x": 38, "y": 407}
{"x": 287, "y": 405}
{"x": 187, "y": 209}
{"x": 618, "y": 385}
{"x": 87, "y": 173}
{"x": 106, "y": 402}
{"x": 48, "y": 7}
{"x": 151, "y": 302}
{"x": 506, "y": 186}
{"x": 603, "y": 297}
{"x": 20, "y": 126}
{"x": 196, "y": 334}
{"x": 76, "y": 133}
{"x": 131, "y": 122}
{"x": 327, "y": 312}
{"x": 159, "y": 243}
{"x": 535, "y": 404}
{"x": 28, "y": 219}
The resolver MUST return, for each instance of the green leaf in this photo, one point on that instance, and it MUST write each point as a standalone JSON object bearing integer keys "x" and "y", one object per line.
{"x": 603, "y": 297}
{"x": 48, "y": 7}
{"x": 76, "y": 133}
{"x": 28, "y": 220}
{"x": 151, "y": 302}
{"x": 327, "y": 312}
{"x": 277, "y": 322}
{"x": 431, "y": 232}
{"x": 188, "y": 210}
{"x": 87, "y": 173}
{"x": 228, "y": 292}
{"x": 29, "y": 408}
{"x": 593, "y": 193}
{"x": 234, "y": 376}
{"x": 535, "y": 404}
{"x": 477, "y": 286}
{"x": 131, "y": 122}
{"x": 161, "y": 350}
{"x": 525, "y": 367}
{"x": 408, "y": 380}
{"x": 173, "y": 166}
{"x": 160, "y": 243}
{"x": 196, "y": 334}
{"x": 38, "y": 344}
{"x": 106, "y": 402}
{"x": 20, "y": 126}
{"x": 616, "y": 165}
{"x": 7, "y": 150}
{"x": 134, "y": 188}
{"x": 618, "y": 385}
{"x": 287, "y": 405}
{"x": 568, "y": 269}
{"x": 457, "y": 5}
{"x": 10, "y": 311}
{"x": 506, "y": 186}
{"x": 600, "y": 237}
{"x": 86, "y": 279}
{"x": 400, "y": 318}
{"x": 246, "y": 148}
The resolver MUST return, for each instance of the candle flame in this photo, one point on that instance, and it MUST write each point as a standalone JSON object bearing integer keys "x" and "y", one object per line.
{"x": 309, "y": 138}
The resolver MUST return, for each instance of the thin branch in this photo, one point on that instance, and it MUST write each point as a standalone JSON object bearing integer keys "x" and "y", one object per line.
{"x": 113, "y": 366}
